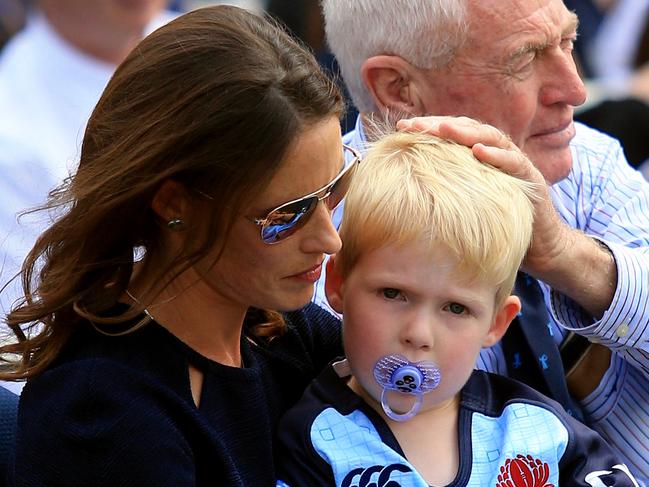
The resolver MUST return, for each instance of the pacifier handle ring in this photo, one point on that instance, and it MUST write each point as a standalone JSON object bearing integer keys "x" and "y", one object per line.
{"x": 401, "y": 416}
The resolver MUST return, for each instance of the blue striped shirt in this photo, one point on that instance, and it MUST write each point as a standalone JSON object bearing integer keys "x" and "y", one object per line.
{"x": 604, "y": 197}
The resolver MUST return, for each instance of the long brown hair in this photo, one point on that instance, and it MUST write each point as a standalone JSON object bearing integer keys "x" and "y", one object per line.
{"x": 212, "y": 100}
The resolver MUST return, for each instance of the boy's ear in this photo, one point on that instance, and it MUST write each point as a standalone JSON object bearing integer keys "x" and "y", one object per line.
{"x": 503, "y": 317}
{"x": 334, "y": 285}
{"x": 389, "y": 80}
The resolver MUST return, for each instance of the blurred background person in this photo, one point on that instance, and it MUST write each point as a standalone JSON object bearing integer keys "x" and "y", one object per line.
{"x": 253, "y": 5}
{"x": 612, "y": 51}
{"x": 12, "y": 18}
{"x": 52, "y": 73}
{"x": 615, "y": 52}
{"x": 304, "y": 20}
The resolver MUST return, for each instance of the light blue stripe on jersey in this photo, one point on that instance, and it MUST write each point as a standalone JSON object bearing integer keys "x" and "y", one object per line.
{"x": 353, "y": 448}
{"x": 522, "y": 429}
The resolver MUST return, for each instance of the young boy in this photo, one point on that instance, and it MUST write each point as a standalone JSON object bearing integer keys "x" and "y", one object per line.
{"x": 432, "y": 241}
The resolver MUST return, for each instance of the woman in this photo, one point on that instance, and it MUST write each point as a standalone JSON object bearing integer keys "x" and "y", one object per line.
{"x": 173, "y": 366}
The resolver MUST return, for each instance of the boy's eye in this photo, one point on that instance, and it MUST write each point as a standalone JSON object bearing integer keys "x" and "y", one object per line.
{"x": 391, "y": 293}
{"x": 456, "y": 308}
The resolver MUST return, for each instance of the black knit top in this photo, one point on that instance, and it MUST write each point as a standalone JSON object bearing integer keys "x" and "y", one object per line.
{"x": 117, "y": 411}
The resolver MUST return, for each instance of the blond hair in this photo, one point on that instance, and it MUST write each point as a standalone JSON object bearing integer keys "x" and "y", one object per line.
{"x": 413, "y": 185}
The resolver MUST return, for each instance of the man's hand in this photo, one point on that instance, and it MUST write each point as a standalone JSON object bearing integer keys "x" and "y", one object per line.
{"x": 491, "y": 146}
{"x": 566, "y": 259}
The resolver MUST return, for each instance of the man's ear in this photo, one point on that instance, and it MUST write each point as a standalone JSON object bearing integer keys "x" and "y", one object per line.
{"x": 334, "y": 285}
{"x": 171, "y": 202}
{"x": 503, "y": 317}
{"x": 389, "y": 80}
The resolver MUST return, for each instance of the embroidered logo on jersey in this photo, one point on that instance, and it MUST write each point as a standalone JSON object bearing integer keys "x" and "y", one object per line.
{"x": 524, "y": 471}
{"x": 619, "y": 474}
{"x": 367, "y": 477}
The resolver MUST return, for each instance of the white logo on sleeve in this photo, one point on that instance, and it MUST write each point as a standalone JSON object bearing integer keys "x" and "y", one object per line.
{"x": 594, "y": 479}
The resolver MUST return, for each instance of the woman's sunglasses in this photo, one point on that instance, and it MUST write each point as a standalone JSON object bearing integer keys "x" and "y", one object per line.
{"x": 286, "y": 219}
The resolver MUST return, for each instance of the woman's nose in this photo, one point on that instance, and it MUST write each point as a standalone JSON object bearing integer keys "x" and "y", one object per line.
{"x": 320, "y": 234}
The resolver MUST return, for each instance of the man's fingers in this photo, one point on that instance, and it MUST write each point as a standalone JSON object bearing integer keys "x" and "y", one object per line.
{"x": 512, "y": 162}
{"x": 506, "y": 160}
{"x": 489, "y": 144}
{"x": 471, "y": 133}
{"x": 428, "y": 125}
{"x": 463, "y": 130}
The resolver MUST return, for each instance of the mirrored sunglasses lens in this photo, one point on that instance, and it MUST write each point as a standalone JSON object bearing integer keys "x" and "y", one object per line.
{"x": 339, "y": 190}
{"x": 284, "y": 221}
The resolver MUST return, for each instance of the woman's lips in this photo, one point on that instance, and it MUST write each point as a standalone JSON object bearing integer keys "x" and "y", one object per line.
{"x": 310, "y": 275}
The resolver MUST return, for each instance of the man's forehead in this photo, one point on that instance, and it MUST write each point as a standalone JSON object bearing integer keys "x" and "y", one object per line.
{"x": 510, "y": 25}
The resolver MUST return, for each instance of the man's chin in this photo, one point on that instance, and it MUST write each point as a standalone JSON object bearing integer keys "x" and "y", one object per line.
{"x": 555, "y": 165}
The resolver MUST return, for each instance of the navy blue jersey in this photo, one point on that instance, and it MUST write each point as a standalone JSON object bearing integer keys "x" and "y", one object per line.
{"x": 509, "y": 436}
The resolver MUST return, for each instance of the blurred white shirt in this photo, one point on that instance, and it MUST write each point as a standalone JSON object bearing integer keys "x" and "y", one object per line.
{"x": 48, "y": 90}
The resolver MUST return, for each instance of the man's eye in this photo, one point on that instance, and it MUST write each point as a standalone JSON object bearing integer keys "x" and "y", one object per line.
{"x": 568, "y": 44}
{"x": 525, "y": 61}
{"x": 456, "y": 308}
{"x": 391, "y": 293}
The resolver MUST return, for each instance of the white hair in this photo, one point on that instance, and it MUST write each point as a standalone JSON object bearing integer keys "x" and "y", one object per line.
{"x": 425, "y": 33}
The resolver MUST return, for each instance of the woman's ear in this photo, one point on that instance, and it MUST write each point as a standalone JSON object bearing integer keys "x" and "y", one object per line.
{"x": 389, "y": 80}
{"x": 502, "y": 319}
{"x": 334, "y": 285}
{"x": 171, "y": 204}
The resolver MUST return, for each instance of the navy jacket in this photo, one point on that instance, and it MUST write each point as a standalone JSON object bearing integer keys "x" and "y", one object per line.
{"x": 118, "y": 411}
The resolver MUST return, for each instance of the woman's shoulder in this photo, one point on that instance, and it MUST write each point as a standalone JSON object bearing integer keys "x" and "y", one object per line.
{"x": 98, "y": 420}
{"x": 97, "y": 370}
{"x": 147, "y": 347}
{"x": 102, "y": 393}
{"x": 318, "y": 331}
{"x": 91, "y": 373}
{"x": 313, "y": 320}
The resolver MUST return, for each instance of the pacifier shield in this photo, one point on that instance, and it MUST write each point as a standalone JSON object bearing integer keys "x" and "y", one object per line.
{"x": 397, "y": 373}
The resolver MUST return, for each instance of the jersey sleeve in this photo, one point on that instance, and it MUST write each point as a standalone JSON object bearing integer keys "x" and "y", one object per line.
{"x": 298, "y": 464}
{"x": 589, "y": 461}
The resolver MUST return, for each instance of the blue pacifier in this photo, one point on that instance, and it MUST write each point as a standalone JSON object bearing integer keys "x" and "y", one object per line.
{"x": 397, "y": 373}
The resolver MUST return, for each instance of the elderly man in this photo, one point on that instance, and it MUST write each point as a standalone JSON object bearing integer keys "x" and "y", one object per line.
{"x": 508, "y": 63}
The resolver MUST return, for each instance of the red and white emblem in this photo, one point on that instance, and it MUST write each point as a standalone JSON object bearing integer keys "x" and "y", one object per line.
{"x": 524, "y": 471}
